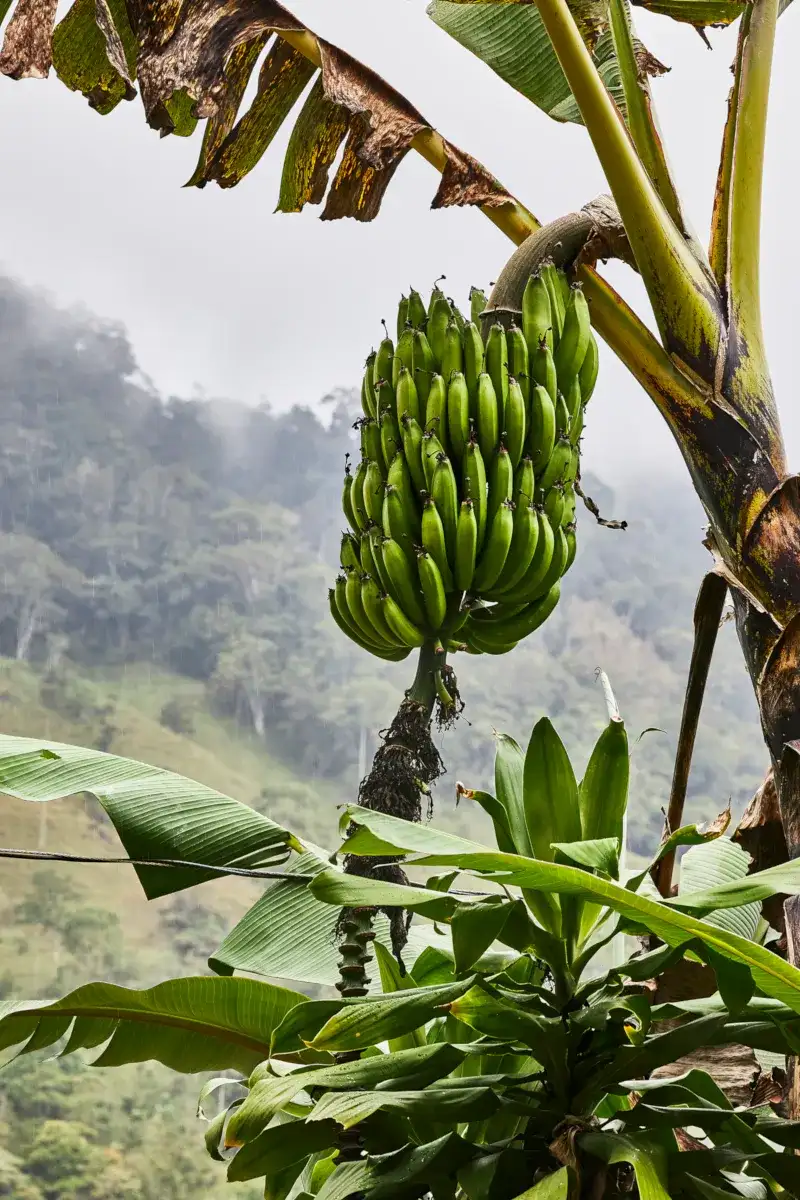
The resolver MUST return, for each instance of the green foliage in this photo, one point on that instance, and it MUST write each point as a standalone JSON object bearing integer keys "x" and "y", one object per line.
{"x": 458, "y": 1075}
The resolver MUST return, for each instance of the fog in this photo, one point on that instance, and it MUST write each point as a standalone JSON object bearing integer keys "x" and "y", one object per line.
{"x": 224, "y": 298}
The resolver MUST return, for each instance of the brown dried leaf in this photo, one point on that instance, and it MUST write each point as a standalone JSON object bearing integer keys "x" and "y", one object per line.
{"x": 390, "y": 122}
{"x": 284, "y": 75}
{"x": 772, "y": 547}
{"x": 466, "y": 182}
{"x": 202, "y": 36}
{"x": 27, "y": 46}
{"x": 238, "y": 70}
{"x": 777, "y": 690}
{"x": 317, "y": 135}
{"x": 359, "y": 188}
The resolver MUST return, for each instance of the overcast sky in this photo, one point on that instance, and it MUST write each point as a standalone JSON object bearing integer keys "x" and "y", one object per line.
{"x": 222, "y": 295}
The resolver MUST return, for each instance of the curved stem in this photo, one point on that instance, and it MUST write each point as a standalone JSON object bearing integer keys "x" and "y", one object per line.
{"x": 718, "y": 247}
{"x": 683, "y": 297}
{"x": 748, "y": 174}
{"x": 640, "y": 116}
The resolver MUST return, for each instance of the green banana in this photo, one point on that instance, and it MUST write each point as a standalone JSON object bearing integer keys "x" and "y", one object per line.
{"x": 347, "y": 500}
{"x": 373, "y": 609}
{"x": 537, "y": 317}
{"x": 574, "y": 399}
{"x": 524, "y": 482}
{"x": 373, "y": 491}
{"x": 389, "y": 654}
{"x": 391, "y": 442}
{"x": 554, "y": 503}
{"x": 515, "y": 421}
{"x": 557, "y": 464}
{"x": 431, "y": 449}
{"x": 412, "y": 448}
{"x": 399, "y": 477}
{"x": 543, "y": 369}
{"x": 349, "y": 555}
{"x": 495, "y": 552}
{"x": 524, "y": 590}
{"x": 453, "y": 358}
{"x": 574, "y": 341}
{"x": 433, "y": 540}
{"x": 366, "y": 557}
{"x": 436, "y": 409}
{"x": 588, "y": 372}
{"x": 404, "y": 630}
{"x": 357, "y": 496}
{"x": 369, "y": 400}
{"x": 458, "y": 414}
{"x": 406, "y": 393}
{"x": 571, "y": 473}
{"x": 518, "y": 359}
{"x": 424, "y": 367}
{"x": 474, "y": 359}
{"x": 376, "y": 540}
{"x": 476, "y": 644}
{"x": 576, "y": 426}
{"x": 497, "y": 366}
{"x": 557, "y": 564}
{"x": 417, "y": 313}
{"x": 474, "y": 479}
{"x": 501, "y": 481}
{"x": 356, "y": 607}
{"x": 371, "y": 441}
{"x": 542, "y": 435}
{"x": 395, "y": 522}
{"x": 523, "y": 547}
{"x": 439, "y": 317}
{"x": 487, "y": 417}
{"x": 569, "y": 534}
{"x": 458, "y": 317}
{"x": 550, "y": 276}
{"x": 403, "y": 356}
{"x": 466, "y": 546}
{"x": 477, "y": 303}
{"x": 402, "y": 316}
{"x": 562, "y": 416}
{"x": 403, "y": 580}
{"x": 432, "y": 584}
{"x": 570, "y": 504}
{"x": 444, "y": 491}
{"x": 384, "y": 359}
{"x": 500, "y": 634}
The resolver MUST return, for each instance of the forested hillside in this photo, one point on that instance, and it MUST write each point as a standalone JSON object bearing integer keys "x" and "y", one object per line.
{"x": 164, "y": 566}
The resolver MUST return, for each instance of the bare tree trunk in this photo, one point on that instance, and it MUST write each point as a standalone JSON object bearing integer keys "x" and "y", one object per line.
{"x": 26, "y": 628}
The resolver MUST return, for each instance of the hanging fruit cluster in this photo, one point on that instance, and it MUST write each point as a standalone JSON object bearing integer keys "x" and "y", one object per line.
{"x": 462, "y": 508}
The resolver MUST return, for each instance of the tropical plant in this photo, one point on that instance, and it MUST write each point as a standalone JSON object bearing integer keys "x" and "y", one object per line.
{"x": 509, "y": 1059}
{"x": 707, "y": 371}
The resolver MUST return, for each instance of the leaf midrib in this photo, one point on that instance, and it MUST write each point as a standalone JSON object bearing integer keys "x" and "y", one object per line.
{"x": 115, "y": 1014}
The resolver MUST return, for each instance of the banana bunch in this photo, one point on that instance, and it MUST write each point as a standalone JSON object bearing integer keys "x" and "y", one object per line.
{"x": 462, "y": 508}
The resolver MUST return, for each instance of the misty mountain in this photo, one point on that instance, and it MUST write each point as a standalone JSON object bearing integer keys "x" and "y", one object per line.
{"x": 202, "y": 535}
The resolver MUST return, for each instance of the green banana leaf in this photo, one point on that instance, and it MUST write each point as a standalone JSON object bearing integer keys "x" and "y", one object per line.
{"x": 269, "y": 1093}
{"x": 713, "y": 865}
{"x": 379, "y": 834}
{"x": 511, "y": 39}
{"x": 156, "y": 813}
{"x": 550, "y": 792}
{"x": 265, "y": 941}
{"x": 552, "y": 1187}
{"x": 648, "y": 1159}
{"x": 189, "y": 1025}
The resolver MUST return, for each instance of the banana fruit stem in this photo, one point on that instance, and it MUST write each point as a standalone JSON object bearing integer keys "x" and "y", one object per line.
{"x": 423, "y": 689}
